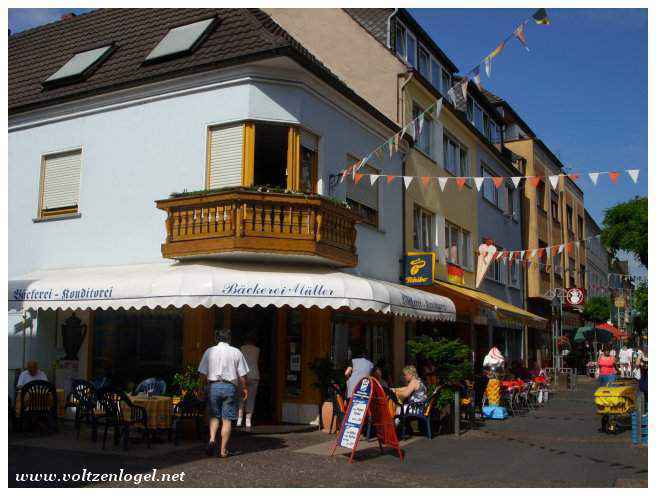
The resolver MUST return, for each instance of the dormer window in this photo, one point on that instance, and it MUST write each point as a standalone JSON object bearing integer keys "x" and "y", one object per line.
{"x": 182, "y": 40}
{"x": 80, "y": 66}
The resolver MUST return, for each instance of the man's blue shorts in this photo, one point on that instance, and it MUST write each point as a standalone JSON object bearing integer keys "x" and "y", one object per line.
{"x": 223, "y": 400}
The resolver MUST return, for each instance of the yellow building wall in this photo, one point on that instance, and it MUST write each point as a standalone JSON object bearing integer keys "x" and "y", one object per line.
{"x": 457, "y": 207}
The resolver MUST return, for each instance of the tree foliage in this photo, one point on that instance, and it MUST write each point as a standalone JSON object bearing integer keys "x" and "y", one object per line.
{"x": 451, "y": 359}
{"x": 597, "y": 309}
{"x": 640, "y": 305}
{"x": 625, "y": 228}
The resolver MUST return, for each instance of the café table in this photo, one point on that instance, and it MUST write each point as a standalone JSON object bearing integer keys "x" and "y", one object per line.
{"x": 61, "y": 402}
{"x": 158, "y": 408}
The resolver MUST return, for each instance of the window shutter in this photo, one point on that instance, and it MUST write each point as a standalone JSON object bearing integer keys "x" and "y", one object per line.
{"x": 61, "y": 180}
{"x": 309, "y": 141}
{"x": 226, "y": 148}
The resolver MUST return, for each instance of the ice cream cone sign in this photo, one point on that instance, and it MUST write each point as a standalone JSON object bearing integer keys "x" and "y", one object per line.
{"x": 486, "y": 254}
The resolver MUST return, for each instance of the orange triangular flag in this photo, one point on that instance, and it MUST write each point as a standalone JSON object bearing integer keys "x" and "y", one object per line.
{"x": 614, "y": 176}
{"x": 574, "y": 176}
{"x": 390, "y": 179}
{"x": 498, "y": 181}
{"x": 554, "y": 250}
{"x": 540, "y": 252}
{"x": 358, "y": 176}
{"x": 534, "y": 180}
{"x": 460, "y": 181}
{"x": 425, "y": 180}
{"x": 569, "y": 247}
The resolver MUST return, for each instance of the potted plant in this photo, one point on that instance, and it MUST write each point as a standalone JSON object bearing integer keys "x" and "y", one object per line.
{"x": 324, "y": 371}
{"x": 452, "y": 362}
{"x": 186, "y": 380}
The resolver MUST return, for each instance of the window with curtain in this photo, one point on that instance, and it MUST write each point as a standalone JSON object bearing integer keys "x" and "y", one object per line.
{"x": 423, "y": 222}
{"x": 400, "y": 39}
{"x": 446, "y": 82}
{"x": 458, "y": 246}
{"x": 60, "y": 183}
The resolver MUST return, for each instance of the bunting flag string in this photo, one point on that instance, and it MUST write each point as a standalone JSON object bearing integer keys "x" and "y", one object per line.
{"x": 457, "y": 94}
{"x": 498, "y": 181}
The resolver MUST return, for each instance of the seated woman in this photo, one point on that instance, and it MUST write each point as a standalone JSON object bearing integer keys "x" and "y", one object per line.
{"x": 414, "y": 391}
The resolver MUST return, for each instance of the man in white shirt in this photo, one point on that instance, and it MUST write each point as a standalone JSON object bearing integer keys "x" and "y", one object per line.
{"x": 223, "y": 367}
{"x": 32, "y": 373}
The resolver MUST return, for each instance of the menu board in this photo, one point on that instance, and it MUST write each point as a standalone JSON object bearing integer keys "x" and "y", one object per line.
{"x": 355, "y": 415}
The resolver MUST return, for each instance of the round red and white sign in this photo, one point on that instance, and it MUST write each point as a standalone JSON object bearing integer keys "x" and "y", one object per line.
{"x": 575, "y": 296}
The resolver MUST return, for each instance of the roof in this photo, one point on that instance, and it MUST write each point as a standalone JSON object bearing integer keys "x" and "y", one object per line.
{"x": 239, "y": 36}
{"x": 500, "y": 102}
{"x": 504, "y": 309}
{"x": 375, "y": 22}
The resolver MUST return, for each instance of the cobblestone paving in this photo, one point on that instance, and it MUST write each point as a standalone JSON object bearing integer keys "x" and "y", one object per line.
{"x": 556, "y": 446}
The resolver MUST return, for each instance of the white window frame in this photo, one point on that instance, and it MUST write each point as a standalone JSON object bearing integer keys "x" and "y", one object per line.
{"x": 423, "y": 219}
{"x": 426, "y": 131}
{"x": 463, "y": 257}
{"x": 421, "y": 47}
{"x": 490, "y": 192}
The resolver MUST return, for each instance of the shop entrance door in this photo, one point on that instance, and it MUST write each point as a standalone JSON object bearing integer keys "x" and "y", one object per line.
{"x": 260, "y": 323}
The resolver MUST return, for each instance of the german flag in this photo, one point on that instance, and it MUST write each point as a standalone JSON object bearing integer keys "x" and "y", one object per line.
{"x": 540, "y": 17}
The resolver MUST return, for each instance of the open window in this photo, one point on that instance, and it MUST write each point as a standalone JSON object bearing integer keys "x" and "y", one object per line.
{"x": 274, "y": 155}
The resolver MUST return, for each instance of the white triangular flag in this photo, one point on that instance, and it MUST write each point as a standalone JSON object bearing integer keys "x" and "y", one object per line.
{"x": 478, "y": 181}
{"x": 560, "y": 249}
{"x": 521, "y": 254}
{"x": 442, "y": 181}
{"x": 533, "y": 253}
{"x": 488, "y": 66}
{"x": 421, "y": 122}
{"x": 407, "y": 180}
{"x": 373, "y": 178}
{"x": 594, "y": 176}
{"x": 364, "y": 161}
{"x": 554, "y": 181}
{"x": 634, "y": 174}
{"x": 516, "y": 180}
{"x": 438, "y": 108}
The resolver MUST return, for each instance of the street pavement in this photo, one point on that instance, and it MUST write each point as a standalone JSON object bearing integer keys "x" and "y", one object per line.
{"x": 555, "y": 446}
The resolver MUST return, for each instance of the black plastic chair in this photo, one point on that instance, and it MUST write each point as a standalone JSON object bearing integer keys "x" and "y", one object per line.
{"x": 112, "y": 416}
{"x": 189, "y": 408}
{"x": 339, "y": 407}
{"x": 83, "y": 398}
{"x": 38, "y": 400}
{"x": 422, "y": 411}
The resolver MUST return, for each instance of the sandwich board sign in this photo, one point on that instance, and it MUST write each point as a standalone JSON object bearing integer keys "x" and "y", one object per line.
{"x": 368, "y": 401}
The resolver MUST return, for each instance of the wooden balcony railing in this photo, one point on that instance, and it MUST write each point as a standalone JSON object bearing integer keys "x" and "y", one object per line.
{"x": 239, "y": 220}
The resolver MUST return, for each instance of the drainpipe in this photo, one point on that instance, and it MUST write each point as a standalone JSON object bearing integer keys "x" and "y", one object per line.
{"x": 389, "y": 28}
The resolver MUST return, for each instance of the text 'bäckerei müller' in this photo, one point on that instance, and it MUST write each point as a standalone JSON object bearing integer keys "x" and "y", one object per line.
{"x": 282, "y": 290}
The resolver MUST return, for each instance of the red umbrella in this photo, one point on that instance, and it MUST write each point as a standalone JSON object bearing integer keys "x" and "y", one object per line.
{"x": 617, "y": 334}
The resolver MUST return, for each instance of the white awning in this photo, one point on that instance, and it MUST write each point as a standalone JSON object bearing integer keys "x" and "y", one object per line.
{"x": 162, "y": 285}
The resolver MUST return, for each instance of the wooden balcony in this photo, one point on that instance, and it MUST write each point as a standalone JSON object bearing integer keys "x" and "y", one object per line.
{"x": 251, "y": 225}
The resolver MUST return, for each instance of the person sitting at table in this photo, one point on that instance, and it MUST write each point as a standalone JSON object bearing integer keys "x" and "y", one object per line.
{"x": 31, "y": 373}
{"x": 415, "y": 390}
{"x": 155, "y": 385}
{"x": 360, "y": 367}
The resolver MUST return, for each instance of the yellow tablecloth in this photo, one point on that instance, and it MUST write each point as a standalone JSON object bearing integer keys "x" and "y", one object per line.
{"x": 61, "y": 402}
{"x": 158, "y": 408}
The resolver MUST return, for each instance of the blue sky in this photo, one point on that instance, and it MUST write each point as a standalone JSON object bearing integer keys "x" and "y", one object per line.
{"x": 582, "y": 87}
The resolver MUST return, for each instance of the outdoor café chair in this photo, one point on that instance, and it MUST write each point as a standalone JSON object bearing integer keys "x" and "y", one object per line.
{"x": 422, "y": 411}
{"x": 113, "y": 416}
{"x": 189, "y": 408}
{"x": 83, "y": 398}
{"x": 38, "y": 400}
{"x": 339, "y": 407}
